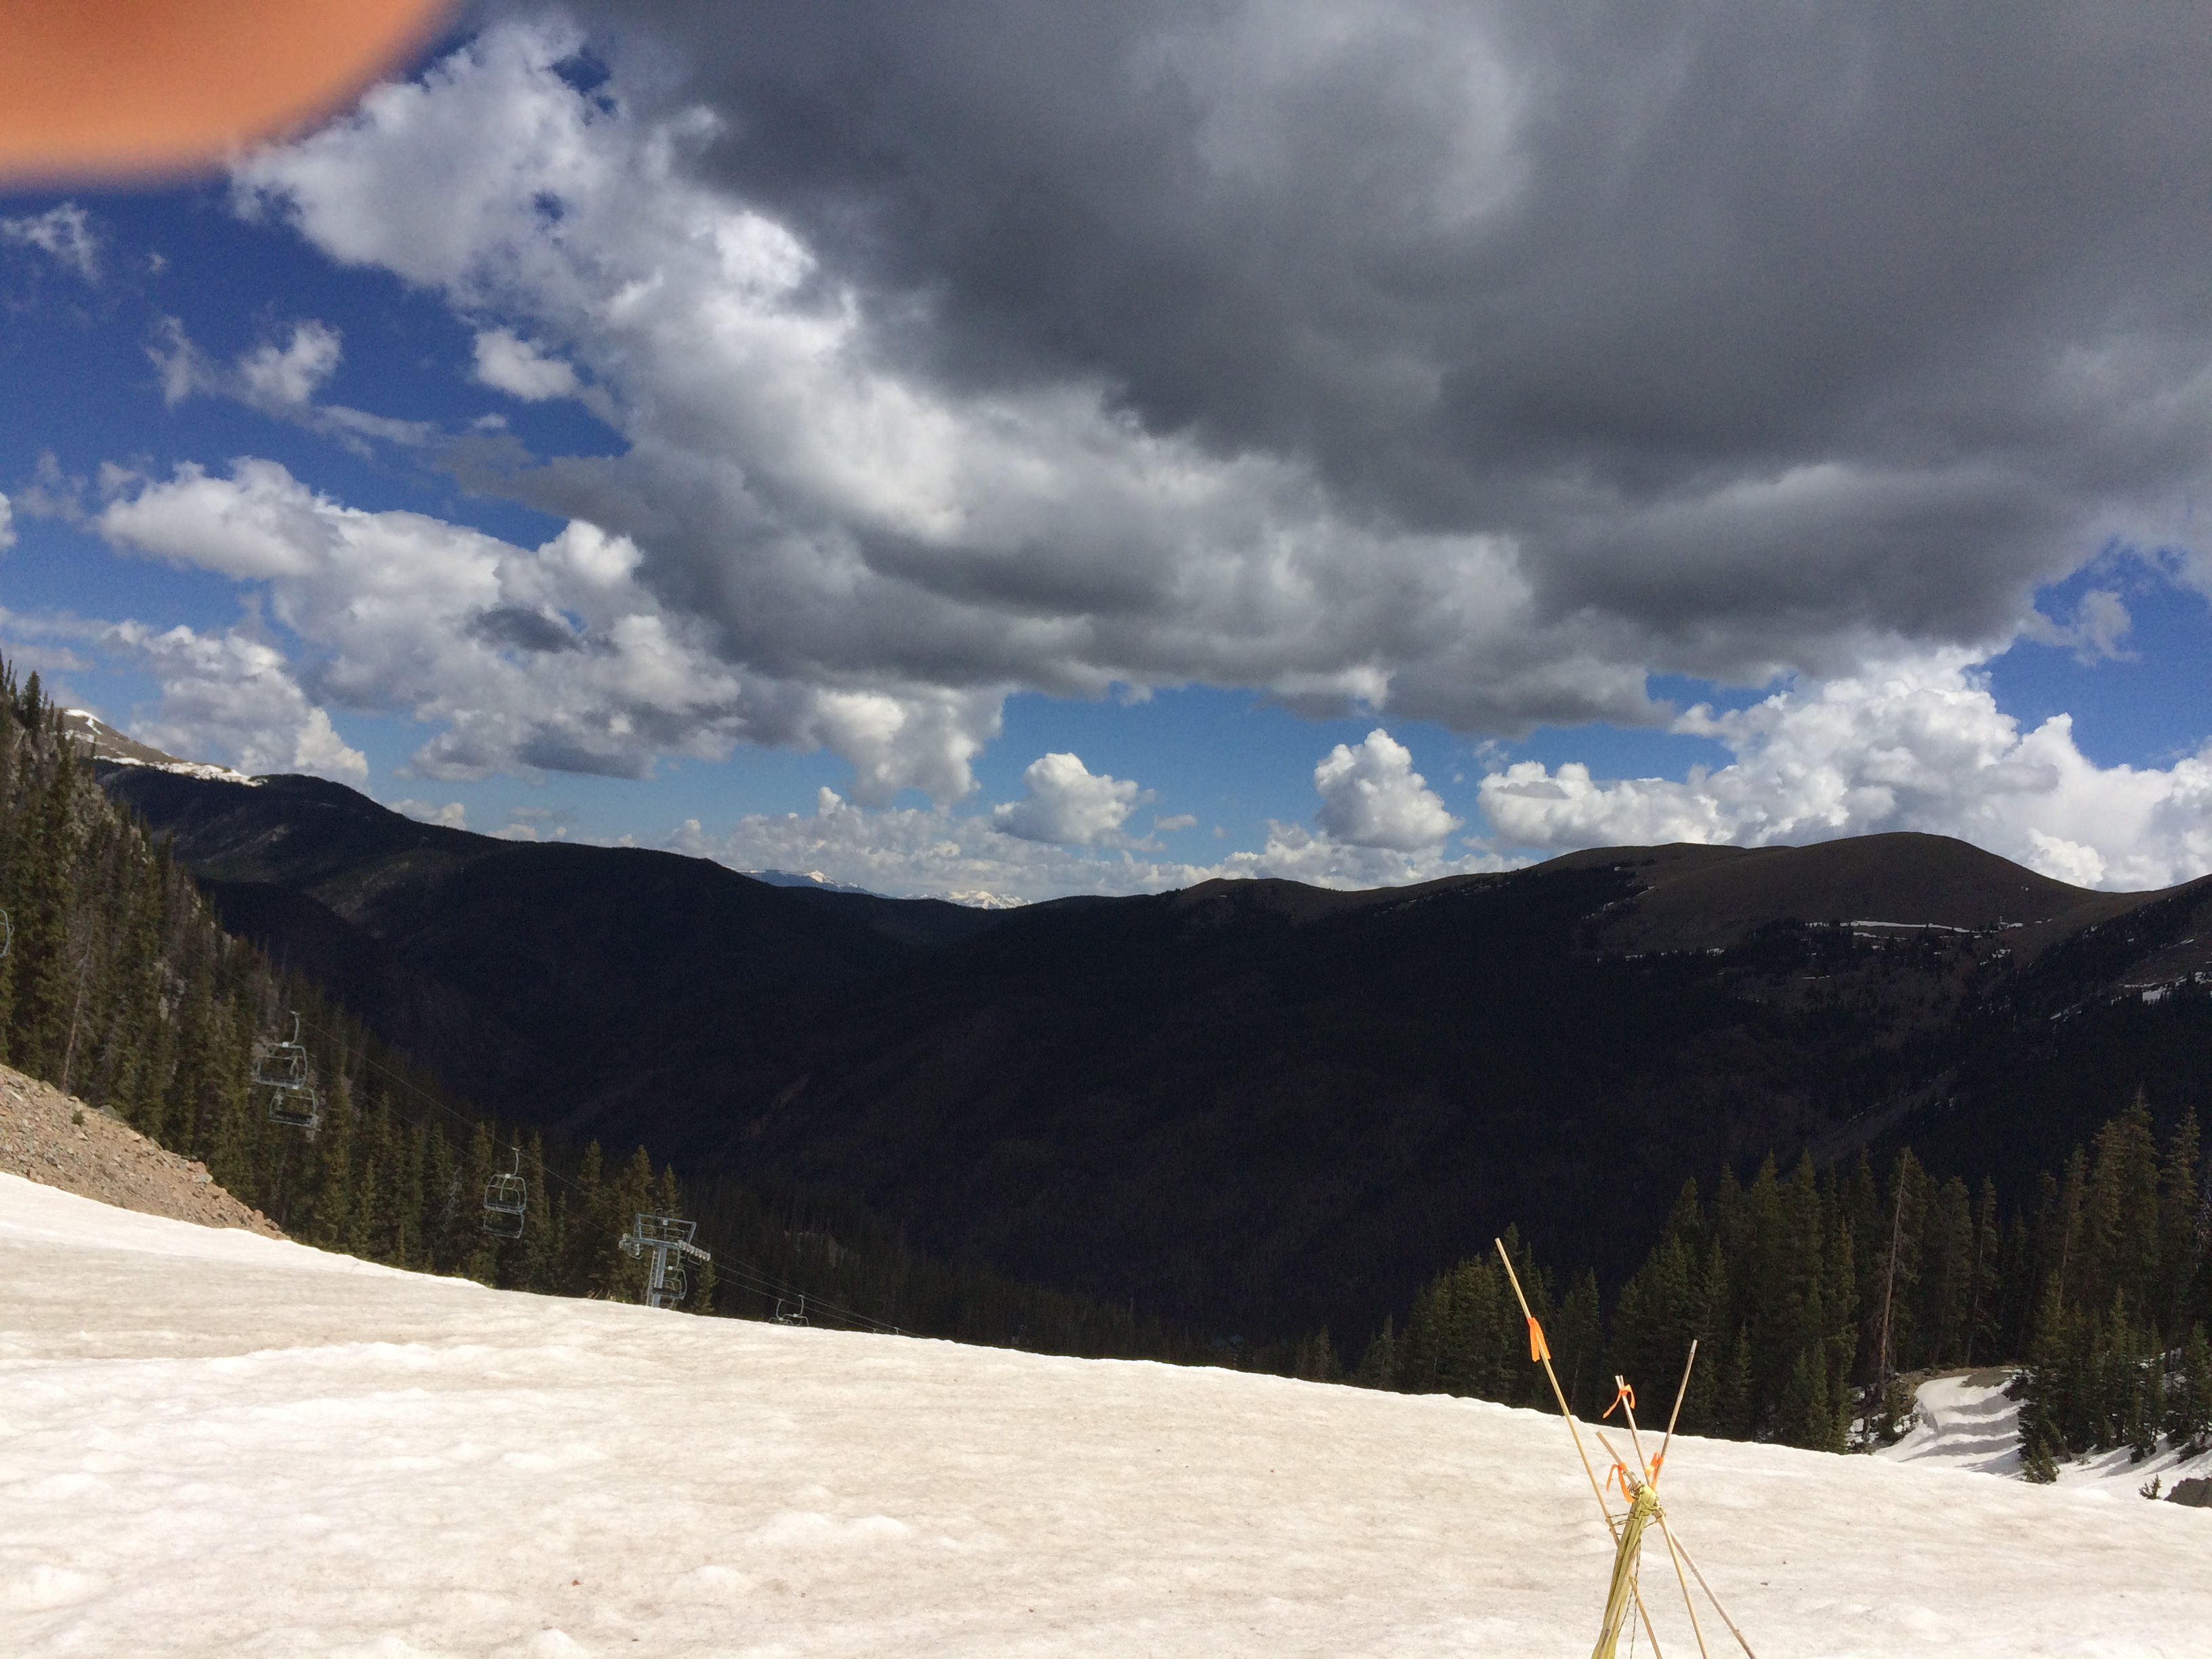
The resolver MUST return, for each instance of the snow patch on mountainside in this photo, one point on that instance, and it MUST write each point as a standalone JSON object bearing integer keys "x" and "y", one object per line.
{"x": 1966, "y": 1423}
{"x": 102, "y": 742}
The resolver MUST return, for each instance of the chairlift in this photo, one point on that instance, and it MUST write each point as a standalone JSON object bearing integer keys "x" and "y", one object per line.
{"x": 665, "y": 1237}
{"x": 786, "y": 1315}
{"x": 506, "y": 1200}
{"x": 7, "y": 936}
{"x": 280, "y": 1075}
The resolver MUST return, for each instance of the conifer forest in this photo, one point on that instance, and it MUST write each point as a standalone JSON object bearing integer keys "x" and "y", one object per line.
{"x": 1811, "y": 1295}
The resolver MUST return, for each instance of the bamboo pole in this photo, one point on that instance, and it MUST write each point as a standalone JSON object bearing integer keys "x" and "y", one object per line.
{"x": 1673, "y": 1416}
{"x": 1612, "y": 1527}
{"x": 1674, "y": 1545}
{"x": 1708, "y": 1589}
{"x": 1559, "y": 1395}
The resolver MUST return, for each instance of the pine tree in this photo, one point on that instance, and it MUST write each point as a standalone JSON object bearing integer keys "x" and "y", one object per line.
{"x": 2181, "y": 1251}
{"x": 539, "y": 1253}
{"x": 1577, "y": 1344}
{"x": 2189, "y": 1420}
{"x": 1378, "y": 1364}
{"x": 1986, "y": 1309}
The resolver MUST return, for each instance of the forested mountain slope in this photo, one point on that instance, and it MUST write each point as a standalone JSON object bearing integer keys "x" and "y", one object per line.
{"x": 118, "y": 987}
{"x": 1251, "y": 1108}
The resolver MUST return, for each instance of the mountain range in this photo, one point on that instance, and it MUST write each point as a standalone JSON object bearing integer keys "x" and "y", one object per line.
{"x": 1250, "y": 1106}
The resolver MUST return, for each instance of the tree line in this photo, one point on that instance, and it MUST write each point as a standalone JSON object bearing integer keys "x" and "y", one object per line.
{"x": 1810, "y": 1296}
{"x": 121, "y": 987}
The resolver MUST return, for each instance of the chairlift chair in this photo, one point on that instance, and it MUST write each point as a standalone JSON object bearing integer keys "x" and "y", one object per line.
{"x": 295, "y": 1107}
{"x": 280, "y": 1075}
{"x": 787, "y": 1315}
{"x": 506, "y": 1200}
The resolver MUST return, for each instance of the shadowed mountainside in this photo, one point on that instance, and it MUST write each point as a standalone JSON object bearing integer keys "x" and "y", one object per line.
{"x": 1250, "y": 1106}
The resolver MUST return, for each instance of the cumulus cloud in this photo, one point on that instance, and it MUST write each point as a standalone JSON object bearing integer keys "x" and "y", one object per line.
{"x": 453, "y": 815}
{"x": 1759, "y": 335}
{"x": 2099, "y": 631}
{"x": 228, "y": 696}
{"x": 549, "y": 658}
{"x": 831, "y": 509}
{"x": 64, "y": 232}
{"x": 1919, "y": 743}
{"x": 233, "y": 698}
{"x": 280, "y": 379}
{"x": 1065, "y": 803}
{"x": 1472, "y": 362}
{"x": 287, "y": 377}
{"x": 508, "y": 363}
{"x": 1371, "y": 796}
{"x": 981, "y": 858}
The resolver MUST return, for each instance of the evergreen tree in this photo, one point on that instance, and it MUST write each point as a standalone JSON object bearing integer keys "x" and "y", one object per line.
{"x": 2189, "y": 1416}
{"x": 1378, "y": 1364}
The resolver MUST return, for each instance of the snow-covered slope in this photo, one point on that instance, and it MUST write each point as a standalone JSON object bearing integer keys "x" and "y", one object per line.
{"x": 1967, "y": 1423}
{"x": 216, "y": 1443}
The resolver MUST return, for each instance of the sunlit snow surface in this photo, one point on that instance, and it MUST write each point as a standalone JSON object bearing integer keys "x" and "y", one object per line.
{"x": 1967, "y": 1423}
{"x": 215, "y": 1444}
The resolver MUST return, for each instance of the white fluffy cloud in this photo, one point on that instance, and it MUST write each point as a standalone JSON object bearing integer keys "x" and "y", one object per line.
{"x": 233, "y": 698}
{"x": 554, "y": 657}
{"x": 453, "y": 815}
{"x": 982, "y": 858}
{"x": 508, "y": 363}
{"x": 229, "y": 698}
{"x": 1371, "y": 796}
{"x": 287, "y": 376}
{"x": 276, "y": 378}
{"x": 1065, "y": 803}
{"x": 1914, "y": 744}
{"x": 280, "y": 379}
{"x": 64, "y": 232}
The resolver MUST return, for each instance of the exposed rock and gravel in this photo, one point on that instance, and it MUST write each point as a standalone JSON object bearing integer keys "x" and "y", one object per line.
{"x": 57, "y": 1140}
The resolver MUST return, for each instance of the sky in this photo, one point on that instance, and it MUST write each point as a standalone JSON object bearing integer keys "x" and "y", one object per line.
{"x": 1001, "y": 452}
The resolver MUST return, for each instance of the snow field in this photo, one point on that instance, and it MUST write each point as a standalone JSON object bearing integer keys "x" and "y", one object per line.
{"x": 216, "y": 1443}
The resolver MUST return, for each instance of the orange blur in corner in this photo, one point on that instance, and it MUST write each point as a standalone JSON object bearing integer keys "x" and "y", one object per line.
{"x": 123, "y": 91}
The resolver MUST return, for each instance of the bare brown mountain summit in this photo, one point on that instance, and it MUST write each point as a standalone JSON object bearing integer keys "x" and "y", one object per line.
{"x": 1699, "y": 897}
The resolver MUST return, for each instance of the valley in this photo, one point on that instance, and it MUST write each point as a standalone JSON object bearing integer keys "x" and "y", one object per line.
{"x": 1249, "y": 1109}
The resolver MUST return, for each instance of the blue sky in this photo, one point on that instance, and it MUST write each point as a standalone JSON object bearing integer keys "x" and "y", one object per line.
{"x": 535, "y": 445}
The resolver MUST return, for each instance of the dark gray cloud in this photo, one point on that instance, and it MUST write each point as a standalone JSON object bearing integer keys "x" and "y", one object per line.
{"x": 1463, "y": 362}
{"x": 1757, "y": 326}
{"x": 524, "y": 630}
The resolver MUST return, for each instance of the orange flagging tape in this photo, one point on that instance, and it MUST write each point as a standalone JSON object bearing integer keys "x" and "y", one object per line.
{"x": 1626, "y": 1393}
{"x": 1539, "y": 1350}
